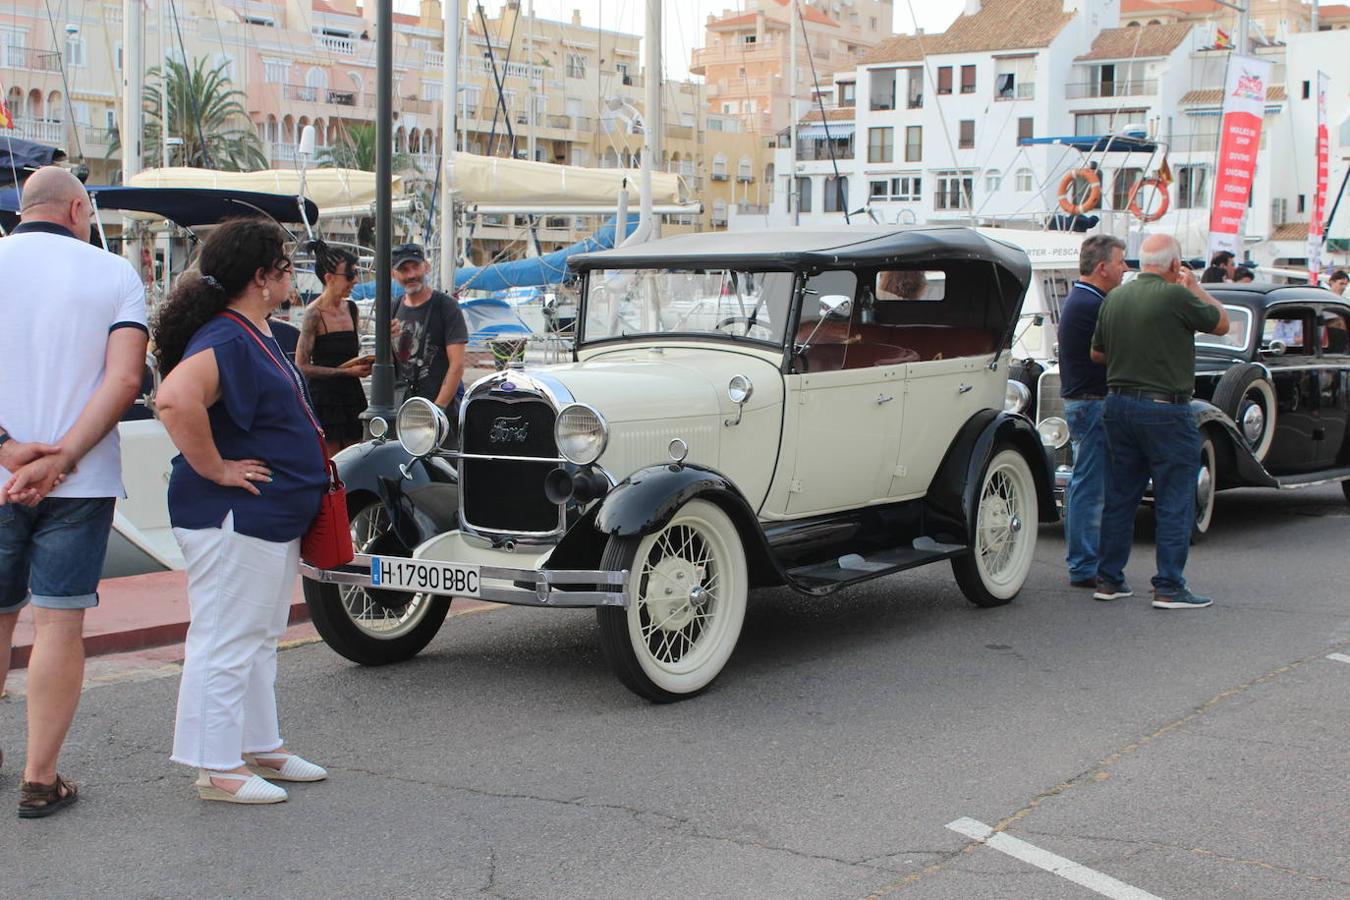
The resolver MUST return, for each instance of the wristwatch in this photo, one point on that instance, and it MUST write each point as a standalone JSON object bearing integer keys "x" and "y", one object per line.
{"x": 4, "y": 437}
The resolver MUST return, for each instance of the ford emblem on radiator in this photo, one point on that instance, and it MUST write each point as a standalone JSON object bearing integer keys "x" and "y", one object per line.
{"x": 509, "y": 430}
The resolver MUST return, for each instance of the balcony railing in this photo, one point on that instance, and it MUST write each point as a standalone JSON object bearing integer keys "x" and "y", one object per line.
{"x": 1141, "y": 87}
{"x": 345, "y": 46}
{"x": 283, "y": 152}
{"x": 809, "y": 150}
{"x": 28, "y": 58}
{"x": 435, "y": 59}
{"x": 313, "y": 94}
{"x": 46, "y": 131}
{"x": 1024, "y": 91}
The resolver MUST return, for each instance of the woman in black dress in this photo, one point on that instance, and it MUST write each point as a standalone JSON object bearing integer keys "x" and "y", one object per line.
{"x": 329, "y": 349}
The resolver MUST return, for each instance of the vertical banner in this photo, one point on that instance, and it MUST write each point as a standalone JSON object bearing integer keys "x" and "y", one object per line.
{"x": 1317, "y": 223}
{"x": 1244, "y": 105}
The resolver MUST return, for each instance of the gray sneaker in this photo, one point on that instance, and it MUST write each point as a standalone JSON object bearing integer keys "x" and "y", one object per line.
{"x": 1182, "y": 599}
{"x": 1110, "y": 590}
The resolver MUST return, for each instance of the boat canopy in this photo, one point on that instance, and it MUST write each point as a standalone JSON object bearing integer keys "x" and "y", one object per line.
{"x": 20, "y": 156}
{"x": 496, "y": 180}
{"x": 185, "y": 207}
{"x": 325, "y": 187}
{"x": 1130, "y": 142}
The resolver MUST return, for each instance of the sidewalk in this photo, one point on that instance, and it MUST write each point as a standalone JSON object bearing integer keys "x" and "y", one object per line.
{"x": 133, "y": 613}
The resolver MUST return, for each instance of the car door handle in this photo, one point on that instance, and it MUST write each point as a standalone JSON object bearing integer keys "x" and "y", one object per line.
{"x": 882, "y": 398}
{"x": 965, "y": 388}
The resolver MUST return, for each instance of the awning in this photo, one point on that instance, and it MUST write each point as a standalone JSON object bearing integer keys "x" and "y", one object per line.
{"x": 18, "y": 155}
{"x": 326, "y": 187}
{"x": 1099, "y": 143}
{"x": 818, "y": 133}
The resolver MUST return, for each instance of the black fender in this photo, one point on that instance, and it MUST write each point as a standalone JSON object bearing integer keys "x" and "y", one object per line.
{"x": 648, "y": 499}
{"x": 955, "y": 488}
{"x": 420, "y": 494}
{"x": 1237, "y": 466}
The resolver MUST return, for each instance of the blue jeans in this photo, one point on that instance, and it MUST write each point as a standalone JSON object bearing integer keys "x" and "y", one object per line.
{"x": 1086, "y": 494}
{"x": 52, "y": 553}
{"x": 1147, "y": 440}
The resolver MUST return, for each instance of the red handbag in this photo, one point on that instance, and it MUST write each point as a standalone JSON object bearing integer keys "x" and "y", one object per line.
{"x": 327, "y": 543}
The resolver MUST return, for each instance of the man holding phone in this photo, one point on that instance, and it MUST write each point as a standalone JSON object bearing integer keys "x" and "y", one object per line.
{"x": 429, "y": 335}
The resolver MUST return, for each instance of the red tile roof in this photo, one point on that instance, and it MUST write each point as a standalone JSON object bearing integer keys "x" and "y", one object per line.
{"x": 1290, "y": 231}
{"x": 811, "y": 14}
{"x": 1214, "y": 96}
{"x": 999, "y": 25}
{"x": 1139, "y": 42}
{"x": 901, "y": 48}
{"x": 839, "y": 114}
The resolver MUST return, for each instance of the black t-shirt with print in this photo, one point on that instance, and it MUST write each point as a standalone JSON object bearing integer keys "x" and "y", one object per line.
{"x": 419, "y": 348}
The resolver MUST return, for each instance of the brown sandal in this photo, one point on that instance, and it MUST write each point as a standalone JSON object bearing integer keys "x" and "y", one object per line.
{"x": 37, "y": 800}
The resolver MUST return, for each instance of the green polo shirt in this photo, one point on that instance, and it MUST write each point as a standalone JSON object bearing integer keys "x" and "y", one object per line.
{"x": 1147, "y": 330}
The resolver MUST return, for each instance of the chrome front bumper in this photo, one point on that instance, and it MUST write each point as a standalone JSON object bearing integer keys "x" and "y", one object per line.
{"x": 498, "y": 584}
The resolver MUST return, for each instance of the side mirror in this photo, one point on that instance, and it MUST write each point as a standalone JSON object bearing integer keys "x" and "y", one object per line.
{"x": 836, "y": 306}
{"x": 1275, "y": 348}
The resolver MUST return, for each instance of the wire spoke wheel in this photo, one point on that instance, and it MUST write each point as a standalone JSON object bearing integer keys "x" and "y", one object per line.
{"x": 382, "y": 614}
{"x": 687, "y": 589}
{"x": 1004, "y": 533}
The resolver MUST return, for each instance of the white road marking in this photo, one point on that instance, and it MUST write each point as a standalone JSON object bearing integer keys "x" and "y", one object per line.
{"x": 1044, "y": 859}
{"x": 1339, "y": 657}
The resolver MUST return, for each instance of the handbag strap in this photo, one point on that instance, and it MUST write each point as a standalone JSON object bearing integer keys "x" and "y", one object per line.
{"x": 304, "y": 404}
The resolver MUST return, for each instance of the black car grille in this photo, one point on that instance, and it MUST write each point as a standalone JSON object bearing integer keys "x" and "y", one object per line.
{"x": 1050, "y": 403}
{"x": 504, "y": 494}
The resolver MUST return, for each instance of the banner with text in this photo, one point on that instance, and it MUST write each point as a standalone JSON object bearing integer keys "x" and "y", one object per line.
{"x": 1244, "y": 105}
{"x": 1319, "y": 201}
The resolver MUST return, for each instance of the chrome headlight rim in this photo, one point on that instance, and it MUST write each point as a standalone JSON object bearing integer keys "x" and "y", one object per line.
{"x": 593, "y": 451}
{"x": 1016, "y": 397}
{"x": 422, "y": 426}
{"x": 1054, "y": 432}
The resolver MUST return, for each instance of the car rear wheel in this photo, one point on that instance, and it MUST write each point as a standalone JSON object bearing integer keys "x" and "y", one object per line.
{"x": 1004, "y": 541}
{"x": 1206, "y": 482}
{"x": 1246, "y": 395}
{"x": 374, "y": 627}
{"x": 687, "y": 589}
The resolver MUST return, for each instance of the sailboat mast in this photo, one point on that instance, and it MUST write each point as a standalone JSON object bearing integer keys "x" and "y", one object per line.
{"x": 651, "y": 132}
{"x": 382, "y": 380}
{"x": 449, "y": 102}
{"x": 133, "y": 74}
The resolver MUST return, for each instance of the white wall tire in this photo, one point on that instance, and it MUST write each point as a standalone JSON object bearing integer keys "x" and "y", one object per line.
{"x": 1246, "y": 396}
{"x": 1004, "y": 534}
{"x": 1206, "y": 485}
{"x": 688, "y": 585}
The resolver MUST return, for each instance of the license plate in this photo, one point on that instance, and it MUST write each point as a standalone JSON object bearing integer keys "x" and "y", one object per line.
{"x": 393, "y": 573}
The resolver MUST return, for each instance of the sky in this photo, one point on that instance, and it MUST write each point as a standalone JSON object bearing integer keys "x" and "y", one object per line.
{"x": 684, "y": 19}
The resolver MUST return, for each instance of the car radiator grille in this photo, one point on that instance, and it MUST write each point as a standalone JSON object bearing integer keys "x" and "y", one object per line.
{"x": 504, "y": 494}
{"x": 1050, "y": 403}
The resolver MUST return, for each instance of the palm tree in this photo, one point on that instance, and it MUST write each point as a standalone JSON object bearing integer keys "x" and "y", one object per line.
{"x": 205, "y": 112}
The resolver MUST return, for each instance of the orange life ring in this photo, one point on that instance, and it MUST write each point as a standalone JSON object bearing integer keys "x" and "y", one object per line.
{"x": 1094, "y": 195}
{"x": 1138, "y": 210}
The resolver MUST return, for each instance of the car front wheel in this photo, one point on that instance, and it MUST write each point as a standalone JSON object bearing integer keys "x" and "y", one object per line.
{"x": 1206, "y": 482}
{"x": 1004, "y": 539}
{"x": 367, "y": 626}
{"x": 687, "y": 589}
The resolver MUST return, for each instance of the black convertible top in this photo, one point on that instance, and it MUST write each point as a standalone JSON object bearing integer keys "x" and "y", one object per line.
{"x": 798, "y": 248}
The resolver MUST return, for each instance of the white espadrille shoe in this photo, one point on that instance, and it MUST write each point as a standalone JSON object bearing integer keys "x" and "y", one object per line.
{"x": 254, "y": 790}
{"x": 293, "y": 768}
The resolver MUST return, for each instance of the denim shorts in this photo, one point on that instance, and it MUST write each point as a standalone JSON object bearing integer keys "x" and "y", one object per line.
{"x": 52, "y": 553}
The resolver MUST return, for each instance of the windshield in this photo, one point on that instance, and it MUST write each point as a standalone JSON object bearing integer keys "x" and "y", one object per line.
{"x": 1239, "y": 327}
{"x": 640, "y": 302}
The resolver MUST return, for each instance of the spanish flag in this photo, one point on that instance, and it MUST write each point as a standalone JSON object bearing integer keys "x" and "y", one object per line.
{"x": 1222, "y": 40}
{"x": 6, "y": 120}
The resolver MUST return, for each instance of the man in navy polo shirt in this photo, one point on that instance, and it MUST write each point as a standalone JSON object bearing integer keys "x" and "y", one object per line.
{"x": 1101, "y": 265}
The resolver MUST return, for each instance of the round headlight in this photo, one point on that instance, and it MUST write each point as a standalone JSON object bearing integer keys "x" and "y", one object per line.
{"x": 422, "y": 426}
{"x": 581, "y": 434}
{"x": 1054, "y": 431}
{"x": 1016, "y": 397}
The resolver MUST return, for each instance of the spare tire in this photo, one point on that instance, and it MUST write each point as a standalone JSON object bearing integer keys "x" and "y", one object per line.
{"x": 1246, "y": 395}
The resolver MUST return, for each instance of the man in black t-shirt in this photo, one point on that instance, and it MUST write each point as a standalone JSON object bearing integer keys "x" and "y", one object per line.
{"x": 429, "y": 335}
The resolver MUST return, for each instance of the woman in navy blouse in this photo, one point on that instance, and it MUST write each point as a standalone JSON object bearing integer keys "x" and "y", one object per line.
{"x": 248, "y": 481}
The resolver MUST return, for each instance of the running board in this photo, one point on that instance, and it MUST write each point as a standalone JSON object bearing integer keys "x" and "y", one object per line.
{"x": 824, "y": 577}
{"x": 1312, "y": 479}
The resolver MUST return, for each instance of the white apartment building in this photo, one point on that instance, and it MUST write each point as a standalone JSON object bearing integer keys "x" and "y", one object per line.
{"x": 930, "y": 128}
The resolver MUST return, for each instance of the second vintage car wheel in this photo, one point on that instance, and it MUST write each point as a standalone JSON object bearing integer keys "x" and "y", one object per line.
{"x": 1245, "y": 393}
{"x": 1004, "y": 539}
{"x": 374, "y": 627}
{"x": 1206, "y": 481}
{"x": 687, "y": 596}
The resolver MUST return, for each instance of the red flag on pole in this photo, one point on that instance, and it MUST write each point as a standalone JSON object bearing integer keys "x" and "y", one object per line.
{"x": 1319, "y": 202}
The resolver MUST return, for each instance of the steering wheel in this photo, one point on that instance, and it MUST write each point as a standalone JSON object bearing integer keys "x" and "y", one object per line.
{"x": 732, "y": 320}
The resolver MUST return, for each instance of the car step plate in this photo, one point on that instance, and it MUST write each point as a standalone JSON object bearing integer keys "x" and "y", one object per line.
{"x": 398, "y": 573}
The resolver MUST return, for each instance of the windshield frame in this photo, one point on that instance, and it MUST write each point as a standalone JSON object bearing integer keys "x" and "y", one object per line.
{"x": 781, "y": 344}
{"x": 1215, "y": 343}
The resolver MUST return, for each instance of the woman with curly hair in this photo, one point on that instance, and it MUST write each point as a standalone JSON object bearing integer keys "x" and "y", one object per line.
{"x": 249, "y": 479}
{"x": 329, "y": 348}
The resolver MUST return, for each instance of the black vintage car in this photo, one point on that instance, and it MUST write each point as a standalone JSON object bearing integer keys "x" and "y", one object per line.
{"x": 1272, "y": 397}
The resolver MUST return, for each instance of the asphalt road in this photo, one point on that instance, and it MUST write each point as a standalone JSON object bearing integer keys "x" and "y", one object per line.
{"x": 1181, "y": 754}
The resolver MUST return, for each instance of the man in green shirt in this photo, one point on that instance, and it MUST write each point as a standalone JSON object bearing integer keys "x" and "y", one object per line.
{"x": 1146, "y": 337}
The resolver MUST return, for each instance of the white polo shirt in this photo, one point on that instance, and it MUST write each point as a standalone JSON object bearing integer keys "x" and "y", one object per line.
{"x": 60, "y": 298}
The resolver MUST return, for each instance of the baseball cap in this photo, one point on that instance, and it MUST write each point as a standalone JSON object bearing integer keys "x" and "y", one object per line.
{"x": 408, "y": 252}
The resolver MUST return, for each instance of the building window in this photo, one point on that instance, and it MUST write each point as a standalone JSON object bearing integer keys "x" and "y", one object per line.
{"x": 914, "y": 91}
{"x": 745, "y": 169}
{"x": 913, "y": 143}
{"x": 944, "y": 80}
{"x": 74, "y": 49}
{"x": 955, "y": 190}
{"x": 1191, "y": 187}
{"x": 276, "y": 71}
{"x": 880, "y": 145}
{"x": 967, "y": 79}
{"x": 848, "y": 93}
{"x": 906, "y": 187}
{"x": 431, "y": 89}
{"x": 1120, "y": 187}
{"x": 836, "y": 193}
{"x": 747, "y": 39}
{"x": 1025, "y": 130}
{"x": 1307, "y": 89}
{"x": 719, "y": 167}
{"x": 966, "y": 141}
{"x": 1024, "y": 183}
{"x": 1302, "y": 203}
{"x": 803, "y": 194}
{"x": 576, "y": 65}
{"x": 1013, "y": 78}
{"x": 883, "y": 89}
{"x": 993, "y": 180}
{"x": 878, "y": 190}
{"x": 719, "y": 212}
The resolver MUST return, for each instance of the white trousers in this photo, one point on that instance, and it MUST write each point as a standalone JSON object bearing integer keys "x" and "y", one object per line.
{"x": 239, "y": 591}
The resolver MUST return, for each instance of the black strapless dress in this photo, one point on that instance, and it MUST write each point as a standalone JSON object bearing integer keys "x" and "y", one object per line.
{"x": 339, "y": 400}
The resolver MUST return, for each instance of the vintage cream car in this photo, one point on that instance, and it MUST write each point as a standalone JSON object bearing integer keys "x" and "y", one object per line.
{"x": 809, "y": 409}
